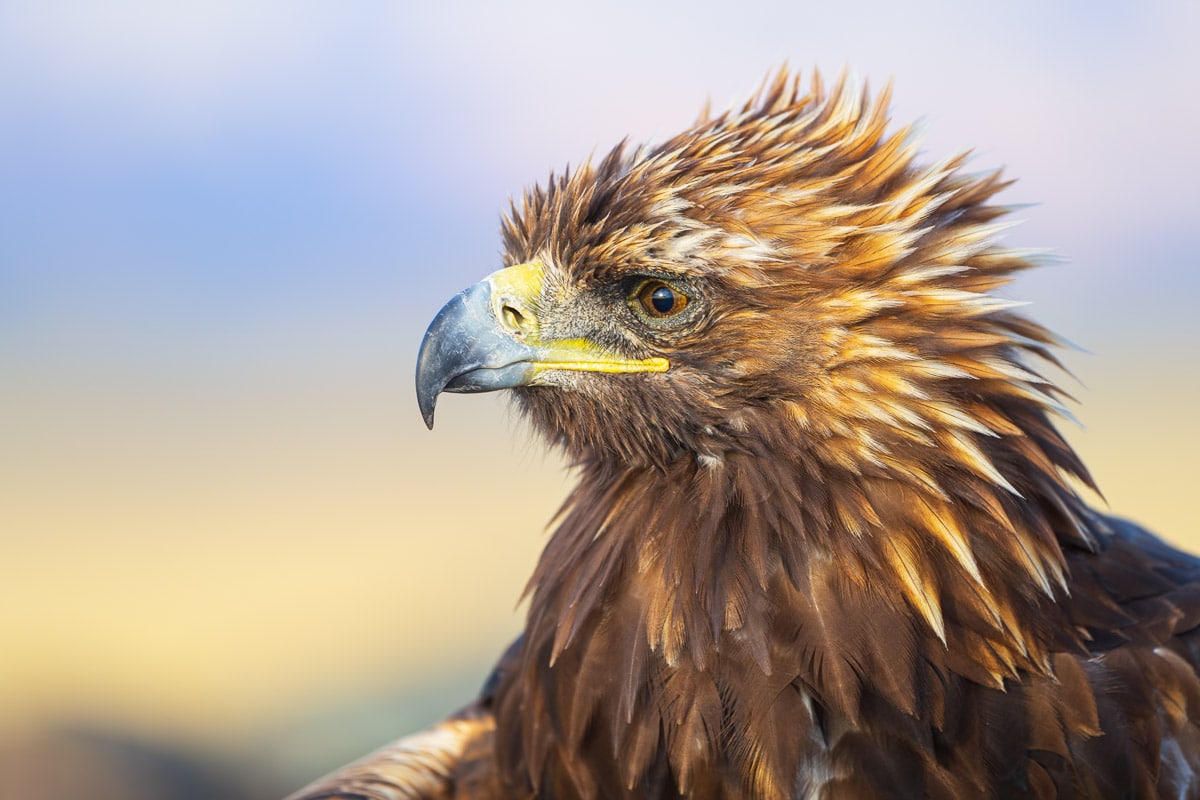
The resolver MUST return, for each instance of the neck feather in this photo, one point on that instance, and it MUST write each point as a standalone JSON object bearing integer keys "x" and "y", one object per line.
{"x": 969, "y": 570}
{"x": 674, "y": 605}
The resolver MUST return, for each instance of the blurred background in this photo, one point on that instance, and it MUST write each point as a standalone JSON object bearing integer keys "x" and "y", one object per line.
{"x": 231, "y": 556}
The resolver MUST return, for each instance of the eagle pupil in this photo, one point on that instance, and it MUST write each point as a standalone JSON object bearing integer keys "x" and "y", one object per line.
{"x": 658, "y": 299}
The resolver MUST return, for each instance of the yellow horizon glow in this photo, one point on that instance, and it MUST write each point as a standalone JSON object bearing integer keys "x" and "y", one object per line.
{"x": 212, "y": 579}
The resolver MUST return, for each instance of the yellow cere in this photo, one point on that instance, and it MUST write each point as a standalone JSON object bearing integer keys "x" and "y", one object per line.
{"x": 519, "y": 287}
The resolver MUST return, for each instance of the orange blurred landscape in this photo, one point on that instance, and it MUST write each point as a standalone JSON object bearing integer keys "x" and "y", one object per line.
{"x": 231, "y": 550}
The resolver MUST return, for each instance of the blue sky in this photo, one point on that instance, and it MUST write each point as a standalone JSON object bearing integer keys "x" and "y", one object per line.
{"x": 220, "y": 165}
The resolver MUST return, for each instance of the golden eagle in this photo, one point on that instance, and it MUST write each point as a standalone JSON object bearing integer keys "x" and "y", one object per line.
{"x": 826, "y": 540}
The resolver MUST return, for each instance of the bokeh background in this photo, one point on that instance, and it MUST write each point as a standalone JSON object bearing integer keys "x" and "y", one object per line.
{"x": 231, "y": 556}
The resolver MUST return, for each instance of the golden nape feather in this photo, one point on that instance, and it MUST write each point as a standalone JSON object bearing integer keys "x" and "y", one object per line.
{"x": 826, "y": 540}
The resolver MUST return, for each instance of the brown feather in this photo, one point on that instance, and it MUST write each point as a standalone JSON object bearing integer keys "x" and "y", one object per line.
{"x": 835, "y": 550}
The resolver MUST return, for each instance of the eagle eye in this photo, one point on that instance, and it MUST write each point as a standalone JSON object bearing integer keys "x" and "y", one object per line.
{"x": 658, "y": 300}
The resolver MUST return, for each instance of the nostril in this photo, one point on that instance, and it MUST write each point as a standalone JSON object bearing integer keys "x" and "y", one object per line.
{"x": 512, "y": 318}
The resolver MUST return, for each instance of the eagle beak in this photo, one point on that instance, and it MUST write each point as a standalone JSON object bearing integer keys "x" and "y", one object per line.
{"x": 488, "y": 338}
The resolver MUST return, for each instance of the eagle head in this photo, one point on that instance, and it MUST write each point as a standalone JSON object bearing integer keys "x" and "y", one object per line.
{"x": 781, "y": 278}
